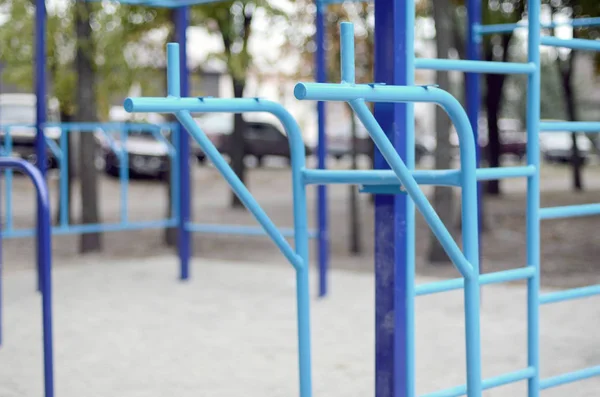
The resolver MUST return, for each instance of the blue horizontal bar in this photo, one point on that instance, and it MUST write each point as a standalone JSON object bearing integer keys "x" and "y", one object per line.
{"x": 569, "y": 377}
{"x": 164, "y": 3}
{"x": 240, "y": 230}
{"x": 573, "y": 126}
{"x": 475, "y": 66}
{"x": 486, "y": 384}
{"x": 574, "y": 44}
{"x": 484, "y": 279}
{"x": 509, "y": 27}
{"x": 423, "y": 177}
{"x": 570, "y": 294}
{"x": 569, "y": 211}
{"x": 93, "y": 228}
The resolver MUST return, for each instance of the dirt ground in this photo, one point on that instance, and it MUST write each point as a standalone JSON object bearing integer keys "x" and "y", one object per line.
{"x": 569, "y": 247}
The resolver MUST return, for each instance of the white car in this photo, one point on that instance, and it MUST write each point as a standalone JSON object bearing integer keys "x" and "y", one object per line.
{"x": 557, "y": 147}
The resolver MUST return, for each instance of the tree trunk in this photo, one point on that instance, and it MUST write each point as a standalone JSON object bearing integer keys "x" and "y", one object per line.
{"x": 237, "y": 143}
{"x": 66, "y": 118}
{"x": 86, "y": 111}
{"x": 443, "y": 197}
{"x": 355, "y": 240}
{"x": 170, "y": 233}
{"x": 566, "y": 74}
{"x": 493, "y": 99}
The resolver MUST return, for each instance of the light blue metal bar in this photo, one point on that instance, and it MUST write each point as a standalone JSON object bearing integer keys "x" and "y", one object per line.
{"x": 570, "y": 294}
{"x": 404, "y": 175}
{"x": 163, "y": 3}
{"x": 569, "y": 211}
{"x": 229, "y": 175}
{"x": 123, "y": 174}
{"x": 484, "y": 279}
{"x": 64, "y": 178}
{"x": 239, "y": 230}
{"x": 8, "y": 146}
{"x": 475, "y": 66}
{"x": 53, "y": 148}
{"x": 93, "y": 228}
{"x": 509, "y": 27}
{"x": 532, "y": 221}
{"x": 573, "y": 126}
{"x": 569, "y": 377}
{"x": 490, "y": 383}
{"x": 574, "y": 44}
{"x": 423, "y": 177}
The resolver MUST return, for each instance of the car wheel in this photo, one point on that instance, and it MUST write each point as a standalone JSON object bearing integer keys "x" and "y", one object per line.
{"x": 259, "y": 161}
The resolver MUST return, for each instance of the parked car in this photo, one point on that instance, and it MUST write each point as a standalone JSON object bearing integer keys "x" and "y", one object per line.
{"x": 512, "y": 136}
{"x": 557, "y": 147}
{"x": 261, "y": 138}
{"x": 18, "y": 117}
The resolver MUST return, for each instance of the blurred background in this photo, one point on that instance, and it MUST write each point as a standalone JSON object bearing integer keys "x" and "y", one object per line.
{"x": 100, "y": 53}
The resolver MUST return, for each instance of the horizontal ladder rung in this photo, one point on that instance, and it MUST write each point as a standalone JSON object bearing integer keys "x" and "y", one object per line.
{"x": 490, "y": 278}
{"x": 574, "y": 44}
{"x": 570, "y": 294}
{"x": 239, "y": 230}
{"x": 573, "y": 126}
{"x": 509, "y": 27}
{"x": 497, "y": 381}
{"x": 569, "y": 377}
{"x": 569, "y": 211}
{"x": 462, "y": 65}
{"x": 423, "y": 177}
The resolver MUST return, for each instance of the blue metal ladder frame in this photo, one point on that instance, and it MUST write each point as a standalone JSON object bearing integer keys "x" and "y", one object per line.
{"x": 44, "y": 264}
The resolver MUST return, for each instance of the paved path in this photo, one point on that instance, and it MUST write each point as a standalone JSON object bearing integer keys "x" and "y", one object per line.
{"x": 129, "y": 329}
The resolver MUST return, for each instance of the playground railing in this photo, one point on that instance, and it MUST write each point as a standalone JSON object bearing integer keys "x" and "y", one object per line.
{"x": 44, "y": 263}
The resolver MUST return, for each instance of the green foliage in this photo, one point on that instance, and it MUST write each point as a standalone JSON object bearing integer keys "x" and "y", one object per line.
{"x": 115, "y": 28}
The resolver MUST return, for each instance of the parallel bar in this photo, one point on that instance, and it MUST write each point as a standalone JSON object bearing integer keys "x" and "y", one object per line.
{"x": 240, "y": 230}
{"x": 572, "y": 126}
{"x": 490, "y": 383}
{"x": 574, "y": 44}
{"x": 569, "y": 211}
{"x": 570, "y": 294}
{"x": 485, "y": 279}
{"x": 93, "y": 228}
{"x": 474, "y": 66}
{"x": 423, "y": 177}
{"x": 509, "y": 27}
{"x": 569, "y": 377}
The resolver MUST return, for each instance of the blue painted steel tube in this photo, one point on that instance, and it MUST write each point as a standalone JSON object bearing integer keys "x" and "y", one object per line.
{"x": 64, "y": 177}
{"x": 322, "y": 212}
{"x": 573, "y": 126}
{"x": 177, "y": 75}
{"x": 394, "y": 215}
{"x": 354, "y": 93}
{"x": 299, "y": 258}
{"x": 497, "y": 381}
{"x": 509, "y": 27}
{"x": 124, "y": 173}
{"x": 422, "y": 177}
{"x": 44, "y": 262}
{"x": 467, "y": 264}
{"x": 569, "y": 211}
{"x": 40, "y": 90}
{"x": 532, "y": 221}
{"x": 474, "y": 66}
{"x": 473, "y": 96}
{"x": 574, "y": 44}
{"x": 9, "y": 182}
{"x": 570, "y": 377}
{"x": 484, "y": 279}
{"x": 570, "y": 294}
{"x": 241, "y": 230}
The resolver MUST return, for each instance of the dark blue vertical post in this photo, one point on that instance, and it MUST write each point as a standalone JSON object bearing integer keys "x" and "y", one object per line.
{"x": 473, "y": 94}
{"x": 184, "y": 243}
{"x": 394, "y": 215}
{"x": 40, "y": 91}
{"x": 322, "y": 221}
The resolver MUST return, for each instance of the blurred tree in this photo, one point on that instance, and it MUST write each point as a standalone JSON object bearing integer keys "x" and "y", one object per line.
{"x": 443, "y": 196}
{"x": 232, "y": 20}
{"x": 98, "y": 28}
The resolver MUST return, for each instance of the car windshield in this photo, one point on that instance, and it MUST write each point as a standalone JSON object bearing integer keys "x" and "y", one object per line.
{"x": 17, "y": 114}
